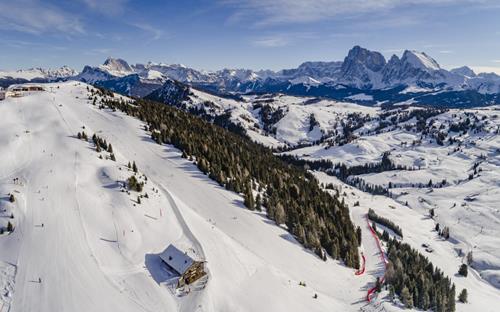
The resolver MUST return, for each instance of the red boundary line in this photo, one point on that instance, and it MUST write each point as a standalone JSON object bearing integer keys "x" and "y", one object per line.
{"x": 362, "y": 270}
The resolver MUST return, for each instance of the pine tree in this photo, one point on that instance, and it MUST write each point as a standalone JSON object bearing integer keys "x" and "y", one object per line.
{"x": 10, "y": 227}
{"x": 79, "y": 135}
{"x": 451, "y": 299}
{"x": 469, "y": 258}
{"x": 463, "y": 270}
{"x": 406, "y": 298}
{"x": 110, "y": 148}
{"x": 249, "y": 202}
{"x": 134, "y": 167}
{"x": 112, "y": 157}
{"x": 139, "y": 200}
{"x": 279, "y": 214}
{"x": 463, "y": 296}
{"x": 258, "y": 203}
{"x": 12, "y": 198}
{"x": 129, "y": 165}
{"x": 378, "y": 284}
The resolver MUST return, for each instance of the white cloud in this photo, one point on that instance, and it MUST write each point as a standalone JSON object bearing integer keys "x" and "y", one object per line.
{"x": 107, "y": 7}
{"x": 271, "y": 42}
{"x": 98, "y": 51}
{"x": 282, "y": 39}
{"x": 300, "y": 11}
{"x": 31, "y": 16}
{"x": 496, "y": 61}
{"x": 155, "y": 32}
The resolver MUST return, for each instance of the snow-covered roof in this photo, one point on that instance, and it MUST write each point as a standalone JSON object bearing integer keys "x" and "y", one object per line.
{"x": 26, "y": 85}
{"x": 176, "y": 259}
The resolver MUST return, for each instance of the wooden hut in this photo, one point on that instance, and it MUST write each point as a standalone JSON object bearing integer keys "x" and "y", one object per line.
{"x": 189, "y": 269}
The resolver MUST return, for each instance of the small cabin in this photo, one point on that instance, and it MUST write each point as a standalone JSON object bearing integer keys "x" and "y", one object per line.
{"x": 189, "y": 269}
{"x": 20, "y": 90}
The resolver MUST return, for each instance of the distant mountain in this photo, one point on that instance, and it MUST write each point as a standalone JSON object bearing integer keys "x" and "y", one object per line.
{"x": 39, "y": 73}
{"x": 363, "y": 76}
{"x": 464, "y": 71}
{"x": 35, "y": 74}
{"x": 172, "y": 92}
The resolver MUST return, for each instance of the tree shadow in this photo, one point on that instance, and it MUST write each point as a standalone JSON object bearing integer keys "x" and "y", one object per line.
{"x": 290, "y": 238}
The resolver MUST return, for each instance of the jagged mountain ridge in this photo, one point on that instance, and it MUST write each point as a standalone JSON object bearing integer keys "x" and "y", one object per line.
{"x": 362, "y": 69}
{"x": 363, "y": 76}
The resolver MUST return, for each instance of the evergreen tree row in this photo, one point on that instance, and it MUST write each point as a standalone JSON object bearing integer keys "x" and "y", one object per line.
{"x": 416, "y": 281}
{"x": 372, "y": 215}
{"x": 291, "y": 195}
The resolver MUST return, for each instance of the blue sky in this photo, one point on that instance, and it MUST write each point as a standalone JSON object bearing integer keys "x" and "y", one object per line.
{"x": 257, "y": 34}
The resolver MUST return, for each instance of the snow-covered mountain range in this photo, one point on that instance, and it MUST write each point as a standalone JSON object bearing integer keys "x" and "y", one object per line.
{"x": 362, "y": 69}
{"x": 39, "y": 73}
{"x": 363, "y": 76}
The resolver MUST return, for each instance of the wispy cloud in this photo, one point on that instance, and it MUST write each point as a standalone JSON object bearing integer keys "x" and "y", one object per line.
{"x": 35, "y": 17}
{"x": 98, "y": 51}
{"x": 300, "y": 11}
{"x": 271, "y": 42}
{"x": 446, "y": 51}
{"x": 22, "y": 44}
{"x": 107, "y": 7}
{"x": 283, "y": 39}
{"x": 495, "y": 61}
{"x": 156, "y": 33}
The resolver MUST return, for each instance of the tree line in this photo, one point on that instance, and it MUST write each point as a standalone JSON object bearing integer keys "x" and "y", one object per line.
{"x": 290, "y": 195}
{"x": 416, "y": 281}
{"x": 372, "y": 215}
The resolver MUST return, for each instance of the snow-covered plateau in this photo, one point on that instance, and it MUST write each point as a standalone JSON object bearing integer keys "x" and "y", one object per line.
{"x": 82, "y": 242}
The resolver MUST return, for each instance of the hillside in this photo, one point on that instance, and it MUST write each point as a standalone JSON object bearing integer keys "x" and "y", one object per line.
{"x": 94, "y": 247}
{"x": 83, "y": 243}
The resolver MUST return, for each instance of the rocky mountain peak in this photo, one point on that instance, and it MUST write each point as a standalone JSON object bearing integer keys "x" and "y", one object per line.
{"x": 117, "y": 65}
{"x": 464, "y": 70}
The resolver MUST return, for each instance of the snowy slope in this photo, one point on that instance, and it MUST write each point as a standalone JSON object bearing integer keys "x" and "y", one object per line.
{"x": 275, "y": 120}
{"x": 464, "y": 174}
{"x": 95, "y": 248}
{"x": 417, "y": 231}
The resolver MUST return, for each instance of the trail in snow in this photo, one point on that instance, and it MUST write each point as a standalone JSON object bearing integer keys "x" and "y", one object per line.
{"x": 382, "y": 257}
